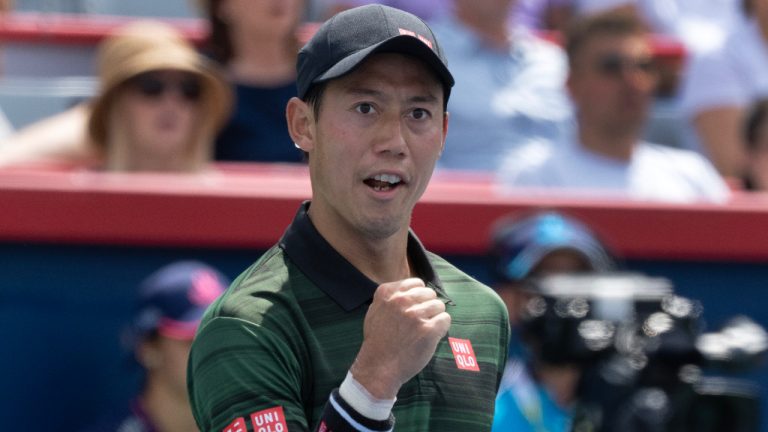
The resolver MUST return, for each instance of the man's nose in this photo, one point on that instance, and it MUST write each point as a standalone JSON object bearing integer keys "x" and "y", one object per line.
{"x": 639, "y": 78}
{"x": 392, "y": 138}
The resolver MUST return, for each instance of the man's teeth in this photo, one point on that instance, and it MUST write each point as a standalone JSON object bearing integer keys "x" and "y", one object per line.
{"x": 389, "y": 178}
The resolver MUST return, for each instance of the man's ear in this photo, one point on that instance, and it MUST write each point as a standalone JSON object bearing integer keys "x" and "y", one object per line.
{"x": 301, "y": 124}
{"x": 446, "y": 117}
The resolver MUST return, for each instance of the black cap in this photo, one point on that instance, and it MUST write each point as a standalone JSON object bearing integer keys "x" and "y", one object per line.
{"x": 348, "y": 38}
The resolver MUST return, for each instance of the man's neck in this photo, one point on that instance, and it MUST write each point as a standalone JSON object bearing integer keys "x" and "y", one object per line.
{"x": 380, "y": 259}
{"x": 612, "y": 143}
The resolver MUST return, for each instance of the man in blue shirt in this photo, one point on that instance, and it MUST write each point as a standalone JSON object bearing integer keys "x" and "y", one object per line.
{"x": 509, "y": 85}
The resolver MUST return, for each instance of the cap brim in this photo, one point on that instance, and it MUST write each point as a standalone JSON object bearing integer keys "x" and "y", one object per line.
{"x": 403, "y": 44}
{"x": 528, "y": 259}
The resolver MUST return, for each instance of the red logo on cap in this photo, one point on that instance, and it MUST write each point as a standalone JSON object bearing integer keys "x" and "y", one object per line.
{"x": 426, "y": 41}
{"x": 464, "y": 354}
{"x": 236, "y": 426}
{"x": 269, "y": 420}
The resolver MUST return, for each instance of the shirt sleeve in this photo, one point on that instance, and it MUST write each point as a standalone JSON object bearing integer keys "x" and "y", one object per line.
{"x": 713, "y": 81}
{"x": 242, "y": 376}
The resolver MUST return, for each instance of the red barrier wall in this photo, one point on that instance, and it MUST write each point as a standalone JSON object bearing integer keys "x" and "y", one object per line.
{"x": 248, "y": 206}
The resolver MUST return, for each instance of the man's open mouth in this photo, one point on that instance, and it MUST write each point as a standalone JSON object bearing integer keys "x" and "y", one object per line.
{"x": 383, "y": 182}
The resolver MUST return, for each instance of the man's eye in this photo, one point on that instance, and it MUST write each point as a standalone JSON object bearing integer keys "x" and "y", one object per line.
{"x": 419, "y": 114}
{"x": 365, "y": 108}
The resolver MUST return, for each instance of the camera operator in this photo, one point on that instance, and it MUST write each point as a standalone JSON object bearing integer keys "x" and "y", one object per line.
{"x": 645, "y": 362}
{"x": 536, "y": 395}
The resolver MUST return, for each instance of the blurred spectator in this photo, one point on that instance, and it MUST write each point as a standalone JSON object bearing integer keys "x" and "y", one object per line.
{"x": 543, "y": 14}
{"x": 160, "y": 103}
{"x": 426, "y": 9}
{"x": 171, "y": 303}
{"x": 699, "y": 24}
{"x": 257, "y": 44}
{"x": 611, "y": 82}
{"x": 530, "y": 14}
{"x": 509, "y": 85}
{"x": 536, "y": 395}
{"x": 756, "y": 137}
{"x": 722, "y": 84}
{"x": 159, "y": 107}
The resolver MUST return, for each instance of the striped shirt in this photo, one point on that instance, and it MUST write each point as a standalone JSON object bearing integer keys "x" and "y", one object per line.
{"x": 273, "y": 348}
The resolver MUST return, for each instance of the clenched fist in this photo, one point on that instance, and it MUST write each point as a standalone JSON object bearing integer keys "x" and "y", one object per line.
{"x": 402, "y": 328}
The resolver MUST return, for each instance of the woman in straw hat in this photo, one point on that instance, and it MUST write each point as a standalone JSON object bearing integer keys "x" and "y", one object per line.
{"x": 159, "y": 107}
{"x": 257, "y": 44}
{"x": 160, "y": 103}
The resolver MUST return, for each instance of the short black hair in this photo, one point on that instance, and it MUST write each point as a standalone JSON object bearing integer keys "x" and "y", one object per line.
{"x": 611, "y": 23}
{"x": 314, "y": 97}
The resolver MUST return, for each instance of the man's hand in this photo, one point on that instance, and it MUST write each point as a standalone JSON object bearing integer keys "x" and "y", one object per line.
{"x": 402, "y": 328}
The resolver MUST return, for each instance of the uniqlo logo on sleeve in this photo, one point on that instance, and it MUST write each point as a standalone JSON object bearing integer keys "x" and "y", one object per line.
{"x": 464, "y": 354}
{"x": 269, "y": 420}
{"x": 236, "y": 426}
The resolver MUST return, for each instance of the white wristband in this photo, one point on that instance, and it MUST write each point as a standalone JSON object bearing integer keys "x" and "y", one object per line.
{"x": 362, "y": 401}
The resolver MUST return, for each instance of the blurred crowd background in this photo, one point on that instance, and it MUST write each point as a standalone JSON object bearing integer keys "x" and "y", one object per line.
{"x": 648, "y": 101}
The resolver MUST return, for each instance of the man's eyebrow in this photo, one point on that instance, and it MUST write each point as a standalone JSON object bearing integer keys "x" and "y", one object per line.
{"x": 363, "y": 91}
{"x": 427, "y": 97}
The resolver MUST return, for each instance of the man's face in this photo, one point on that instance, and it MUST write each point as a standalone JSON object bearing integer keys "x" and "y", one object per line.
{"x": 612, "y": 82}
{"x": 379, "y": 133}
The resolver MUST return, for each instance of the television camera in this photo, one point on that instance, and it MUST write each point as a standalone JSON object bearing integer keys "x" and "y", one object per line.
{"x": 646, "y": 364}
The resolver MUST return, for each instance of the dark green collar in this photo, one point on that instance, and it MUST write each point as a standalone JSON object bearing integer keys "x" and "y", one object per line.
{"x": 336, "y": 276}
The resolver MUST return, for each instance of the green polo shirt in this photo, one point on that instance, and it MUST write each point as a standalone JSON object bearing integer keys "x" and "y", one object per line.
{"x": 283, "y": 336}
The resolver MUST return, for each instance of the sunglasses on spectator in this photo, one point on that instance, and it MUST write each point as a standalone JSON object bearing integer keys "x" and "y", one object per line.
{"x": 615, "y": 65}
{"x": 153, "y": 85}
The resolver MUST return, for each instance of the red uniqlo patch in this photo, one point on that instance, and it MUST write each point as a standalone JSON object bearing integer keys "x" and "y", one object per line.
{"x": 269, "y": 420}
{"x": 236, "y": 426}
{"x": 464, "y": 354}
